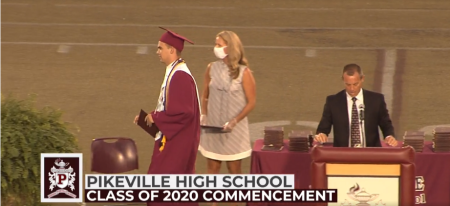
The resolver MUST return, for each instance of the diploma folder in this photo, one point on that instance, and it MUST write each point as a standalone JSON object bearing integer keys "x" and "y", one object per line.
{"x": 213, "y": 129}
{"x": 152, "y": 129}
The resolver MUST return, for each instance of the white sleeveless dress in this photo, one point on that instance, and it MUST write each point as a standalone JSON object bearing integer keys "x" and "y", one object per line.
{"x": 226, "y": 101}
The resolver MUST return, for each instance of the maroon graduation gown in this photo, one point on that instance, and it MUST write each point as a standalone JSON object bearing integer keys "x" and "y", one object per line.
{"x": 180, "y": 124}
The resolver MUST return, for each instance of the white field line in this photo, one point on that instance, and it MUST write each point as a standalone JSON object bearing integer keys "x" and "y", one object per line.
{"x": 94, "y": 6}
{"x": 387, "y": 82}
{"x": 148, "y": 7}
{"x": 223, "y": 27}
{"x": 15, "y": 4}
{"x": 357, "y": 9}
{"x": 142, "y": 50}
{"x": 211, "y": 46}
{"x": 63, "y": 49}
{"x": 311, "y": 53}
{"x": 239, "y": 8}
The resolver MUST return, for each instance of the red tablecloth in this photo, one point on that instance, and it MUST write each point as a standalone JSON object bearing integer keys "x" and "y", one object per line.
{"x": 431, "y": 168}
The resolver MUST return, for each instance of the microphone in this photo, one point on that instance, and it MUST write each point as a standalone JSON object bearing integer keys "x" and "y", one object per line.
{"x": 361, "y": 112}
{"x": 361, "y": 117}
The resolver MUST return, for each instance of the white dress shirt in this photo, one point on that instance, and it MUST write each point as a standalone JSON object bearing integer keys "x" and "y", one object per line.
{"x": 359, "y": 101}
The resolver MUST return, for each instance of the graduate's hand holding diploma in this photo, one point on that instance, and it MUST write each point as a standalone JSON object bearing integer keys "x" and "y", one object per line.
{"x": 149, "y": 119}
{"x": 136, "y": 119}
{"x": 145, "y": 121}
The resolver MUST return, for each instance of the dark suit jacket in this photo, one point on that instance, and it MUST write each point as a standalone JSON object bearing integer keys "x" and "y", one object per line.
{"x": 335, "y": 113}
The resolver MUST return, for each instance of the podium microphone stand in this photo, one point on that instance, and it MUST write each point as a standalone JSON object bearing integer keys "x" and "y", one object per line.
{"x": 361, "y": 120}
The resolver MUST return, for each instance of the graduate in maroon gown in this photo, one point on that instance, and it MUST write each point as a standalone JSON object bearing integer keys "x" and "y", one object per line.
{"x": 177, "y": 114}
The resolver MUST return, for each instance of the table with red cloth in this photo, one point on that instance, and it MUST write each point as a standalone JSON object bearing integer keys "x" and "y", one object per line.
{"x": 432, "y": 171}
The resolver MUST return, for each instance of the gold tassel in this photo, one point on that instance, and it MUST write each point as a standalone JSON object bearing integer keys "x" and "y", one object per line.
{"x": 163, "y": 142}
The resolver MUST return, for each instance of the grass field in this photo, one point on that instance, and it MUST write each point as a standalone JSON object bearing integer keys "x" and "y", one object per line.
{"x": 96, "y": 60}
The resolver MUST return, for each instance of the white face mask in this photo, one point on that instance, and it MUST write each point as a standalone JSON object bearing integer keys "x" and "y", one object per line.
{"x": 220, "y": 52}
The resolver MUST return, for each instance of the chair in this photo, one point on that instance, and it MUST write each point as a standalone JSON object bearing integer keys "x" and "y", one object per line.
{"x": 114, "y": 157}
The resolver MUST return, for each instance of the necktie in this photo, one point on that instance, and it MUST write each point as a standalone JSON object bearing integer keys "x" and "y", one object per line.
{"x": 355, "y": 135}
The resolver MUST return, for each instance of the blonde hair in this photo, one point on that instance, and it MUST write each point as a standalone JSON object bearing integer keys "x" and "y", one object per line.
{"x": 235, "y": 50}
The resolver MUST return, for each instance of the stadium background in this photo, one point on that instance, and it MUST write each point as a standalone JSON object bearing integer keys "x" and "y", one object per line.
{"x": 96, "y": 60}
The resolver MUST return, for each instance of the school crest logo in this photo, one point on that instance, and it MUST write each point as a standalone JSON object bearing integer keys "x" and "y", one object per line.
{"x": 61, "y": 177}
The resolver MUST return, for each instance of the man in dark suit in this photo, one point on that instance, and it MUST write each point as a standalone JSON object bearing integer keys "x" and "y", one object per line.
{"x": 354, "y": 112}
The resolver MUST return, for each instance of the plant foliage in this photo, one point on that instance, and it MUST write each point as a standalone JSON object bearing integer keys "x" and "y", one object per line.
{"x": 26, "y": 132}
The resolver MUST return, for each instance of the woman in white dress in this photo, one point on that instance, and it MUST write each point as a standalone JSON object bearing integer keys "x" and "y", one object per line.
{"x": 229, "y": 96}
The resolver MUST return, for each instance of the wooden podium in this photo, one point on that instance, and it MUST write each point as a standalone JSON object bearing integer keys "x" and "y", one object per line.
{"x": 365, "y": 176}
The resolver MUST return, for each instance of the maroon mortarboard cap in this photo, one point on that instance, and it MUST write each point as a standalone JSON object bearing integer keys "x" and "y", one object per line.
{"x": 173, "y": 39}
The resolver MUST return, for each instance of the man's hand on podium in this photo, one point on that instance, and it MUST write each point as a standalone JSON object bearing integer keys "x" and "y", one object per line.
{"x": 391, "y": 141}
{"x": 321, "y": 138}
